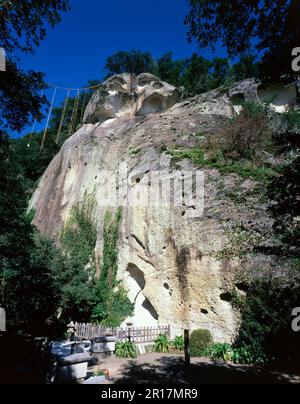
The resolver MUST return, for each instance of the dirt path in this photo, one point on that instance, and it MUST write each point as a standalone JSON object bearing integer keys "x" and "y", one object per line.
{"x": 157, "y": 368}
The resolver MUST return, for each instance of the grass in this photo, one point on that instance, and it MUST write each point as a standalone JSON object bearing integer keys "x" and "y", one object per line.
{"x": 134, "y": 152}
{"x": 243, "y": 168}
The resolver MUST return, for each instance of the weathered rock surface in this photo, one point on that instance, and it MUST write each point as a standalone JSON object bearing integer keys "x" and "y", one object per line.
{"x": 128, "y": 95}
{"x": 171, "y": 259}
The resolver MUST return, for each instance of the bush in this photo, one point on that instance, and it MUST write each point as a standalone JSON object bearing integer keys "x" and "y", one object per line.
{"x": 200, "y": 341}
{"x": 247, "y": 132}
{"x": 221, "y": 351}
{"x": 266, "y": 323}
{"x": 162, "y": 344}
{"x": 125, "y": 350}
{"x": 244, "y": 355}
{"x": 178, "y": 343}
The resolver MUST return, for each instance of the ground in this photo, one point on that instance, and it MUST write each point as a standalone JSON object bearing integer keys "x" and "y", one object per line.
{"x": 155, "y": 368}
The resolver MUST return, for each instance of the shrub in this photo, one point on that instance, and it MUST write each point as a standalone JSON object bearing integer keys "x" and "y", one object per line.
{"x": 245, "y": 355}
{"x": 266, "y": 323}
{"x": 178, "y": 343}
{"x": 125, "y": 349}
{"x": 200, "y": 341}
{"x": 162, "y": 344}
{"x": 221, "y": 351}
{"x": 246, "y": 132}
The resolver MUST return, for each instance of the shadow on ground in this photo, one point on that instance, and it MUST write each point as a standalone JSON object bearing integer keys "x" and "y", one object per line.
{"x": 173, "y": 370}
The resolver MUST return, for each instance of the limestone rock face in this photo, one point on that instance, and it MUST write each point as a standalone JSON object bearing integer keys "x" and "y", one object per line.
{"x": 171, "y": 256}
{"x": 128, "y": 95}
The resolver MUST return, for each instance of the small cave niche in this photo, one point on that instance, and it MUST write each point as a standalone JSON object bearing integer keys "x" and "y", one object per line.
{"x": 166, "y": 286}
{"x": 226, "y": 297}
{"x": 238, "y": 99}
{"x": 137, "y": 180}
{"x": 204, "y": 311}
{"x": 147, "y": 305}
{"x": 242, "y": 287}
{"x": 151, "y": 105}
{"x": 137, "y": 275}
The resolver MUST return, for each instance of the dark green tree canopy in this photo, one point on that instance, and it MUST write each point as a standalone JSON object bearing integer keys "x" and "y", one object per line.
{"x": 134, "y": 61}
{"x": 22, "y": 27}
{"x": 22, "y": 22}
{"x": 270, "y": 26}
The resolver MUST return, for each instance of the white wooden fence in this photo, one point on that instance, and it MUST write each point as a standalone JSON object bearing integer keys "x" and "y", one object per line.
{"x": 137, "y": 334}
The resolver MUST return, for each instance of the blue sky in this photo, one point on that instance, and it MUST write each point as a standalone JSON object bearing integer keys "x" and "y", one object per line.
{"x": 76, "y": 49}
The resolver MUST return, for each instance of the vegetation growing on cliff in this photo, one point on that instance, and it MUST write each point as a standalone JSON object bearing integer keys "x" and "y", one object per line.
{"x": 113, "y": 305}
{"x": 87, "y": 296}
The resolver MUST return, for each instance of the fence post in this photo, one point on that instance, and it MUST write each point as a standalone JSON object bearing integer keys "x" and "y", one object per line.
{"x": 187, "y": 355}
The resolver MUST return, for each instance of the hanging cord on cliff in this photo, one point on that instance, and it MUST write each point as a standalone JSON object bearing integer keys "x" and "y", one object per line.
{"x": 83, "y": 106}
{"x": 48, "y": 119}
{"x": 34, "y": 125}
{"x": 62, "y": 119}
{"x": 74, "y": 114}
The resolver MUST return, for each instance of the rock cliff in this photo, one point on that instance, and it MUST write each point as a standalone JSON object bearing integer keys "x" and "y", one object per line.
{"x": 173, "y": 257}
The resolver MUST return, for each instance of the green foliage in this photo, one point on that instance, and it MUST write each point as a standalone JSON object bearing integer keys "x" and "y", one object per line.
{"x": 31, "y": 160}
{"x": 125, "y": 350}
{"x": 244, "y": 168}
{"x": 284, "y": 191}
{"x": 113, "y": 305}
{"x": 196, "y": 74}
{"x": 221, "y": 351}
{"x": 22, "y": 28}
{"x": 243, "y": 355}
{"x": 162, "y": 344}
{"x": 247, "y": 132}
{"x": 266, "y": 322}
{"x": 29, "y": 287}
{"x": 245, "y": 23}
{"x": 79, "y": 235}
{"x": 178, "y": 343}
{"x": 22, "y": 25}
{"x": 20, "y": 97}
{"x": 290, "y": 121}
{"x": 78, "y": 241}
{"x": 135, "y": 152}
{"x": 240, "y": 243}
{"x": 135, "y": 61}
{"x": 200, "y": 341}
{"x": 169, "y": 70}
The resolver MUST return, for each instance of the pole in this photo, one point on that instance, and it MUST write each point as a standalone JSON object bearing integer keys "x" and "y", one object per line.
{"x": 187, "y": 355}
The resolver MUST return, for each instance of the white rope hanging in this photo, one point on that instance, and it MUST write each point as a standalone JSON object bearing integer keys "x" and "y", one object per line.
{"x": 74, "y": 89}
{"x": 83, "y": 106}
{"x": 62, "y": 120}
{"x": 48, "y": 119}
{"x": 34, "y": 125}
{"x": 74, "y": 113}
{"x": 76, "y": 109}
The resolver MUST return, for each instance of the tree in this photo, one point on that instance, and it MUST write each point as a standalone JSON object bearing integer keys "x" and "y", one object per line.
{"x": 28, "y": 288}
{"x": 134, "y": 62}
{"x": 21, "y": 101}
{"x": 271, "y": 27}
{"x": 221, "y": 72}
{"x": 285, "y": 194}
{"x": 22, "y": 27}
{"x": 196, "y": 78}
{"x": 246, "y": 67}
{"x": 169, "y": 70}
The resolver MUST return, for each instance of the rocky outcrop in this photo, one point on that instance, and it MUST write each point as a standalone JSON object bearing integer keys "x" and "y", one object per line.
{"x": 128, "y": 95}
{"x": 173, "y": 257}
